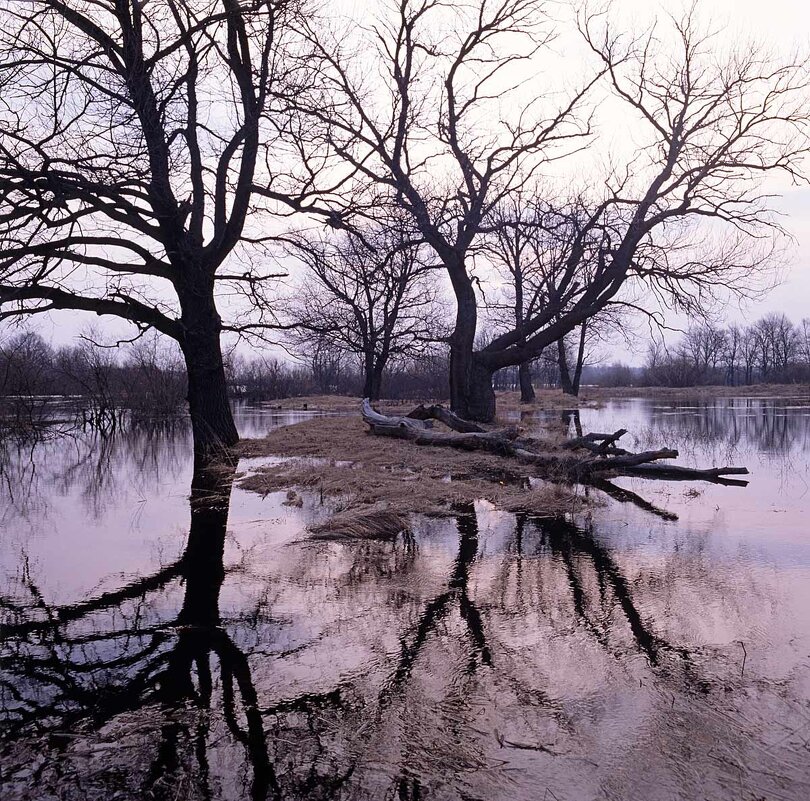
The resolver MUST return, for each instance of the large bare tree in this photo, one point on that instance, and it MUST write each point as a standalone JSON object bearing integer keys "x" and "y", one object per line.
{"x": 687, "y": 217}
{"x": 428, "y": 111}
{"x": 133, "y": 140}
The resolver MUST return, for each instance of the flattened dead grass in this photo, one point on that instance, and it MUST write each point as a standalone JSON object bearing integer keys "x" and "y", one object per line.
{"x": 381, "y": 480}
{"x": 374, "y": 522}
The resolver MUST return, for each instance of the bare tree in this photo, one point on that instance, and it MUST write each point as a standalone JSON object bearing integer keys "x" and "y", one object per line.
{"x": 748, "y": 352}
{"x": 776, "y": 343}
{"x": 135, "y": 137}
{"x": 328, "y": 364}
{"x": 92, "y": 370}
{"x": 152, "y": 378}
{"x": 529, "y": 246}
{"x": 711, "y": 126}
{"x": 26, "y": 365}
{"x": 371, "y": 294}
{"x": 26, "y": 374}
{"x": 703, "y": 347}
{"x": 803, "y": 346}
{"x": 733, "y": 353}
{"x": 436, "y": 133}
{"x": 715, "y": 126}
{"x": 515, "y": 249}
{"x": 583, "y": 346}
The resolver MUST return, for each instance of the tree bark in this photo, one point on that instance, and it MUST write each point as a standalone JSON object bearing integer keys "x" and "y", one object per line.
{"x": 376, "y": 379}
{"x": 580, "y": 359}
{"x": 368, "y": 378}
{"x": 462, "y": 342}
{"x": 562, "y": 362}
{"x": 212, "y": 424}
{"x": 480, "y": 393}
{"x": 525, "y": 380}
{"x": 450, "y": 419}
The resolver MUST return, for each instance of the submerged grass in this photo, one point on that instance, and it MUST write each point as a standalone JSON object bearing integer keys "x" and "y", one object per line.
{"x": 380, "y": 481}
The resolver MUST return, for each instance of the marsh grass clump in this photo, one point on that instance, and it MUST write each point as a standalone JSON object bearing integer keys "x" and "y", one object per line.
{"x": 377, "y": 522}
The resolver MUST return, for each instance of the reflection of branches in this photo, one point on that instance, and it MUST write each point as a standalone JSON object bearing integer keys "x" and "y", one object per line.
{"x": 175, "y": 685}
{"x": 623, "y": 495}
{"x": 763, "y": 423}
{"x": 437, "y": 608}
{"x": 67, "y": 681}
{"x": 58, "y": 616}
{"x": 85, "y": 462}
{"x": 570, "y": 543}
{"x": 64, "y": 671}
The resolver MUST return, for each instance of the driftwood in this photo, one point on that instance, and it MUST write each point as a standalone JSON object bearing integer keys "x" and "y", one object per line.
{"x": 420, "y": 432}
{"x": 601, "y": 444}
{"x": 674, "y": 472}
{"x": 444, "y": 415}
{"x": 603, "y": 455}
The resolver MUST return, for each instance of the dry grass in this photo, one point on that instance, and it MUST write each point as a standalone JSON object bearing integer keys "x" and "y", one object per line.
{"x": 380, "y": 481}
{"x": 374, "y": 522}
{"x": 336, "y": 403}
{"x": 554, "y": 399}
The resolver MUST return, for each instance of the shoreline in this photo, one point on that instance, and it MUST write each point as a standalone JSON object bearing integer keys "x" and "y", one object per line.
{"x": 554, "y": 398}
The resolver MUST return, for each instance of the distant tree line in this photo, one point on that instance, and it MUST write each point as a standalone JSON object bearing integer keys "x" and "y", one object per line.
{"x": 770, "y": 351}
{"x": 146, "y": 378}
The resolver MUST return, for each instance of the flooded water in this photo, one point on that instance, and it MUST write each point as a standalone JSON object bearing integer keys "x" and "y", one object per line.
{"x": 165, "y": 636}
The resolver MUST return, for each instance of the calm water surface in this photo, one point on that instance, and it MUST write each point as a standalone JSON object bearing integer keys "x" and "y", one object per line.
{"x": 175, "y": 637}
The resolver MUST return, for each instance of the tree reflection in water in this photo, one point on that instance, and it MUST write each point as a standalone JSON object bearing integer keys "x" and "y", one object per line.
{"x": 61, "y": 669}
{"x": 124, "y": 696}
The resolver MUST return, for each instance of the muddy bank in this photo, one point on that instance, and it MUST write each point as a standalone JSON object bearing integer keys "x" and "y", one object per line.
{"x": 336, "y": 457}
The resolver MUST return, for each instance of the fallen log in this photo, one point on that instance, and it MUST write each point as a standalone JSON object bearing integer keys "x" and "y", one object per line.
{"x": 674, "y": 472}
{"x": 603, "y": 456}
{"x": 444, "y": 415}
{"x": 381, "y": 423}
{"x": 628, "y": 460}
{"x": 598, "y": 443}
{"x": 418, "y": 431}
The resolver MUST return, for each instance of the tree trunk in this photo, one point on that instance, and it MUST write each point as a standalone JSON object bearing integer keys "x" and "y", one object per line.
{"x": 462, "y": 342}
{"x": 212, "y": 424}
{"x": 377, "y": 377}
{"x": 368, "y": 378}
{"x": 480, "y": 394}
{"x": 525, "y": 379}
{"x": 580, "y": 360}
{"x": 562, "y": 361}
